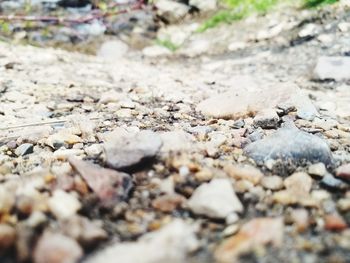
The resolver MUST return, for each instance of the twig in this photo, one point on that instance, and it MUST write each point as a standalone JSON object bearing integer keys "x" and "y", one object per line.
{"x": 39, "y": 124}
{"x": 61, "y": 20}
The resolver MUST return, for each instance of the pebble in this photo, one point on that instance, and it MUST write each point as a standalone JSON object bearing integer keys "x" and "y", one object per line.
{"x": 113, "y": 50}
{"x": 291, "y": 146}
{"x": 109, "y": 185}
{"x": 168, "y": 203}
{"x": 266, "y": 119}
{"x": 336, "y": 68}
{"x": 330, "y": 181}
{"x": 273, "y": 182}
{"x": 57, "y": 248}
{"x": 244, "y": 172}
{"x": 301, "y": 219}
{"x": 335, "y": 222}
{"x": 24, "y": 149}
{"x": 298, "y": 184}
{"x": 256, "y": 232}
{"x": 171, "y": 243}
{"x": 215, "y": 199}
{"x": 125, "y": 151}
{"x": 7, "y": 236}
{"x": 63, "y": 205}
{"x": 343, "y": 171}
{"x": 317, "y": 169}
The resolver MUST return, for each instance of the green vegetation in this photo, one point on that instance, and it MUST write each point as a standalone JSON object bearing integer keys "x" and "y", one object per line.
{"x": 168, "y": 44}
{"x": 239, "y": 9}
{"x": 315, "y": 3}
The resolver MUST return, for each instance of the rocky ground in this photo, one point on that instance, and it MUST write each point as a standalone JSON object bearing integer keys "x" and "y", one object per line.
{"x": 233, "y": 148}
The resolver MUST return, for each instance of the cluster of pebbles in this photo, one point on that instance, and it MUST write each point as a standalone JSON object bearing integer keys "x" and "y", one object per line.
{"x": 136, "y": 161}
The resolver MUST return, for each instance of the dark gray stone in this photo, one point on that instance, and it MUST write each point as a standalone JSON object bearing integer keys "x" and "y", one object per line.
{"x": 291, "y": 147}
{"x": 23, "y": 149}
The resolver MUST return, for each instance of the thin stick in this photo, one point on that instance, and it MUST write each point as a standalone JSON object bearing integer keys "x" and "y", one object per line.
{"x": 39, "y": 124}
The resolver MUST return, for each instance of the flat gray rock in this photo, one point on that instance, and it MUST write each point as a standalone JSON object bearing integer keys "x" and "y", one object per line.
{"x": 292, "y": 147}
{"x": 126, "y": 150}
{"x": 337, "y": 68}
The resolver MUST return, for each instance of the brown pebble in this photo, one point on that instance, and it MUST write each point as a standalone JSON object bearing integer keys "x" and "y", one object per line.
{"x": 335, "y": 222}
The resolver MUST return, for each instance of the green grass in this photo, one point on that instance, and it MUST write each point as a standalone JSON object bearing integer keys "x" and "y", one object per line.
{"x": 239, "y": 9}
{"x": 168, "y": 44}
{"x": 316, "y": 3}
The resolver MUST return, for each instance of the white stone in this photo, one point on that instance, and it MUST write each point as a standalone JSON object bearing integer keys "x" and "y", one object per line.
{"x": 171, "y": 10}
{"x": 156, "y": 51}
{"x": 113, "y": 50}
{"x": 170, "y": 244}
{"x": 337, "y": 68}
{"x": 63, "y": 205}
{"x": 216, "y": 199}
{"x": 204, "y": 5}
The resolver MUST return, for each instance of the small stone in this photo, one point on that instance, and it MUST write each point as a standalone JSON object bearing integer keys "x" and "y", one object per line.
{"x": 109, "y": 185}
{"x": 255, "y": 233}
{"x": 273, "y": 182}
{"x": 336, "y": 68}
{"x": 171, "y": 243}
{"x": 292, "y": 147}
{"x": 168, "y": 203}
{"x": 113, "y": 50}
{"x": 85, "y": 231}
{"x": 266, "y": 119}
{"x": 317, "y": 169}
{"x": 125, "y": 150}
{"x": 176, "y": 141}
{"x": 298, "y": 184}
{"x": 216, "y": 199}
{"x": 170, "y": 10}
{"x": 330, "y": 181}
{"x": 7, "y": 236}
{"x": 24, "y": 149}
{"x": 7, "y": 200}
{"x": 300, "y": 218}
{"x": 335, "y": 222}
{"x": 156, "y": 51}
{"x": 344, "y": 204}
{"x": 244, "y": 172}
{"x": 63, "y": 205}
{"x": 343, "y": 172}
{"x": 204, "y": 5}
{"x": 94, "y": 150}
{"x": 57, "y": 248}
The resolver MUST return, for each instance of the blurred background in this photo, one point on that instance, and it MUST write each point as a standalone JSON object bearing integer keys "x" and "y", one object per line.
{"x": 164, "y": 25}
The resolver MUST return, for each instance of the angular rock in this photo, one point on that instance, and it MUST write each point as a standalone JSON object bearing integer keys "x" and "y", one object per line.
{"x": 257, "y": 232}
{"x": 57, "y": 248}
{"x": 291, "y": 146}
{"x": 336, "y": 68}
{"x": 204, "y": 5}
{"x": 216, "y": 199}
{"x": 171, "y": 243}
{"x": 109, "y": 185}
{"x": 249, "y": 97}
{"x": 24, "y": 149}
{"x": 266, "y": 119}
{"x": 126, "y": 150}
